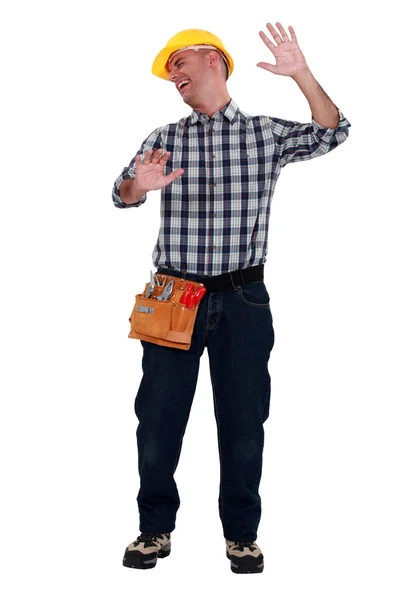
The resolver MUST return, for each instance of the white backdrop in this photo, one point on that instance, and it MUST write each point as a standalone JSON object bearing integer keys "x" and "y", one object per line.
{"x": 79, "y": 99}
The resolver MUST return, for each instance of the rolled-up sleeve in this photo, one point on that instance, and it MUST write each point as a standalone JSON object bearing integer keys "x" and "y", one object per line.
{"x": 154, "y": 142}
{"x": 296, "y": 141}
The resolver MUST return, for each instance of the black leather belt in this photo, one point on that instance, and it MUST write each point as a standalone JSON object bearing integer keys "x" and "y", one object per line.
{"x": 216, "y": 283}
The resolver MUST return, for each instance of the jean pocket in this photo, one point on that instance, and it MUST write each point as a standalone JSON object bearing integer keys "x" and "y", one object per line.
{"x": 254, "y": 294}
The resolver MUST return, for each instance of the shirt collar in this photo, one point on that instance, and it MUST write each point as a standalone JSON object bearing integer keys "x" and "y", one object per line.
{"x": 230, "y": 111}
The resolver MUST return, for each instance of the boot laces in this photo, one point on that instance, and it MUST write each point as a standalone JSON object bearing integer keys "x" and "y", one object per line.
{"x": 149, "y": 539}
{"x": 241, "y": 545}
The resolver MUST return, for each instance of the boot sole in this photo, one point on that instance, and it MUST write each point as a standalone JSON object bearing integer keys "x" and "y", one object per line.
{"x": 246, "y": 564}
{"x": 135, "y": 559}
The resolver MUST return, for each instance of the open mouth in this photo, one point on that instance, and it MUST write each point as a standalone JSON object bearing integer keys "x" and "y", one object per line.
{"x": 184, "y": 86}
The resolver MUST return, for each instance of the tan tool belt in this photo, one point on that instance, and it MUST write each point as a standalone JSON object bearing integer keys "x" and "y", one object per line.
{"x": 164, "y": 322}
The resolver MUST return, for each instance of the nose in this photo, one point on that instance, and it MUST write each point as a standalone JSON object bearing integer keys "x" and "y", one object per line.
{"x": 172, "y": 77}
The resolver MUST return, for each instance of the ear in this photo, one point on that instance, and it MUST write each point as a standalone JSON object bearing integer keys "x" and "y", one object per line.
{"x": 213, "y": 58}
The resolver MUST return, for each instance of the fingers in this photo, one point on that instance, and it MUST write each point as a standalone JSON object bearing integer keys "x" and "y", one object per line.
{"x": 174, "y": 175}
{"x": 147, "y": 157}
{"x": 155, "y": 158}
{"x": 165, "y": 157}
{"x": 159, "y": 158}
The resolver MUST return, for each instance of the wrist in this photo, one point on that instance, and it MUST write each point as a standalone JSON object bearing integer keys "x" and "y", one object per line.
{"x": 302, "y": 75}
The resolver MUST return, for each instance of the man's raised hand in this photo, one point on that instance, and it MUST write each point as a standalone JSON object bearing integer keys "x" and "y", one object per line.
{"x": 150, "y": 172}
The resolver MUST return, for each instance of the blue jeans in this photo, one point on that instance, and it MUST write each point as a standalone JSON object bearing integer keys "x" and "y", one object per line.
{"x": 236, "y": 326}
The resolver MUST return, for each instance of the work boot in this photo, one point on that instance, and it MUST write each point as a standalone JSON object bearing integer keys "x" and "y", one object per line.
{"x": 245, "y": 557}
{"x": 144, "y": 551}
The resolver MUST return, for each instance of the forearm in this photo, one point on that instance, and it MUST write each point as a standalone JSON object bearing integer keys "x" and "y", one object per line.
{"x": 322, "y": 108}
{"x": 129, "y": 192}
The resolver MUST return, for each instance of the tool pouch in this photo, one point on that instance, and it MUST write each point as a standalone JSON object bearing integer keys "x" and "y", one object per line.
{"x": 164, "y": 322}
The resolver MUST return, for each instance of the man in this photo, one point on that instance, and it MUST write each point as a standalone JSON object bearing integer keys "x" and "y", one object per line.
{"x": 217, "y": 170}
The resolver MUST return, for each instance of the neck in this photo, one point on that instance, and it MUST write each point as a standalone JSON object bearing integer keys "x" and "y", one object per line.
{"x": 213, "y": 105}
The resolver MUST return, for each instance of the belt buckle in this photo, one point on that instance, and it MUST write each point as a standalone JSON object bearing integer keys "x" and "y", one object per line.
{"x": 241, "y": 276}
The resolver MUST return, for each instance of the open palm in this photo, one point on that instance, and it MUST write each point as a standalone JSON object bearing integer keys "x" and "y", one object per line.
{"x": 150, "y": 173}
{"x": 289, "y": 58}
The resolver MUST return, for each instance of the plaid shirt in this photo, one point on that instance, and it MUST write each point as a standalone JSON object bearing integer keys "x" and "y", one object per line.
{"x": 215, "y": 217}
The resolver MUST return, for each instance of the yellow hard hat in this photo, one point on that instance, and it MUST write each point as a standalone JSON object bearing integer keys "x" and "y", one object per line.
{"x": 184, "y": 40}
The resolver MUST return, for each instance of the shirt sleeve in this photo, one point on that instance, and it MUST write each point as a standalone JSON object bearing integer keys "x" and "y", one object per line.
{"x": 154, "y": 142}
{"x": 296, "y": 141}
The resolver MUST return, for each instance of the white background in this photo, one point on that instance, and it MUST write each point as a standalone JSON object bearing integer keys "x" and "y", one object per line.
{"x": 79, "y": 98}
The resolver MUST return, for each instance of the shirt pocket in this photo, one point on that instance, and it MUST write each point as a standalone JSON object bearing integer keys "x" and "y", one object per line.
{"x": 178, "y": 185}
{"x": 255, "y": 164}
{"x": 182, "y": 158}
{"x": 248, "y": 176}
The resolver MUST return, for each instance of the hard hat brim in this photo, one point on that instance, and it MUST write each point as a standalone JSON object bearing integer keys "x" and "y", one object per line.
{"x": 159, "y": 67}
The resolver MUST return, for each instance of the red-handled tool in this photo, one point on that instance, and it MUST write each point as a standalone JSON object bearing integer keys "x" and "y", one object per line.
{"x": 186, "y": 292}
{"x": 195, "y": 298}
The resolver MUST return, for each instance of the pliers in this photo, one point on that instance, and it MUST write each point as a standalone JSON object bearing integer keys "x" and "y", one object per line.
{"x": 154, "y": 281}
{"x": 165, "y": 294}
{"x": 157, "y": 280}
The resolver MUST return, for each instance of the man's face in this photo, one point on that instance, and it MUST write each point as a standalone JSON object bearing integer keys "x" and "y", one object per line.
{"x": 193, "y": 66}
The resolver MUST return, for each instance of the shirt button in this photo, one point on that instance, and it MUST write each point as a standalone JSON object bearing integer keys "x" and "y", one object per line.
{"x": 214, "y": 214}
{"x": 214, "y": 184}
{"x": 213, "y": 155}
